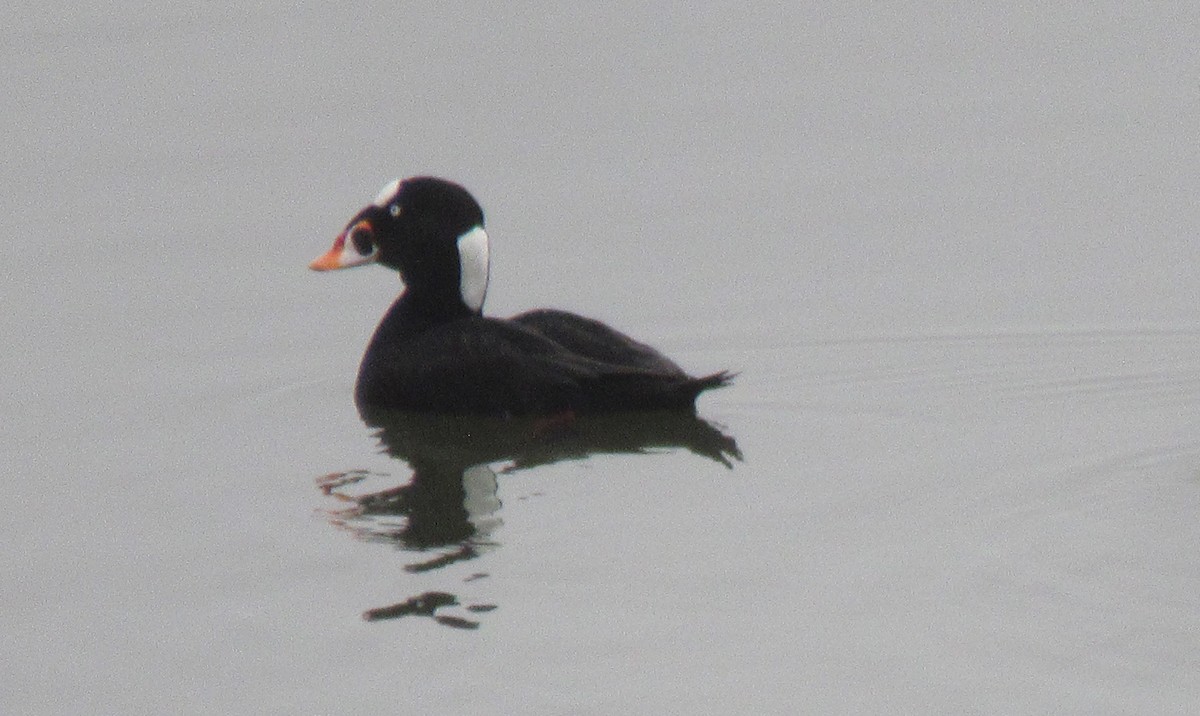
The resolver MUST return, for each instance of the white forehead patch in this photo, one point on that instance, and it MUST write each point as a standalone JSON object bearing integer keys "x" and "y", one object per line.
{"x": 387, "y": 193}
{"x": 473, "y": 267}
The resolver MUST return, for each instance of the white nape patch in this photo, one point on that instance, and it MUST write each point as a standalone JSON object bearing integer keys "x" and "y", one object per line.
{"x": 386, "y": 193}
{"x": 473, "y": 267}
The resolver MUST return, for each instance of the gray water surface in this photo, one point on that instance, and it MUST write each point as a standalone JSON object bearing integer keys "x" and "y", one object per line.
{"x": 951, "y": 253}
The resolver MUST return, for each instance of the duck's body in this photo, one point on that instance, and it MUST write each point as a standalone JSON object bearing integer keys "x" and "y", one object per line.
{"x": 540, "y": 362}
{"x": 434, "y": 351}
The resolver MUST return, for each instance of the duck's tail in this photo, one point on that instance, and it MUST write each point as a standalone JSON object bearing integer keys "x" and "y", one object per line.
{"x": 695, "y": 386}
{"x": 716, "y": 380}
{"x": 640, "y": 391}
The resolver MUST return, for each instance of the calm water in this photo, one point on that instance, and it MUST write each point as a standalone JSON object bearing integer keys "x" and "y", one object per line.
{"x": 951, "y": 254}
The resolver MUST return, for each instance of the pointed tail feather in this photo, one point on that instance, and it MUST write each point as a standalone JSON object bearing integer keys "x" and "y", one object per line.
{"x": 715, "y": 380}
{"x": 695, "y": 386}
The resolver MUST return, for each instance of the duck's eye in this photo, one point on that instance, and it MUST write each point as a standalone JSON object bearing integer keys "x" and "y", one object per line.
{"x": 394, "y": 210}
{"x": 361, "y": 239}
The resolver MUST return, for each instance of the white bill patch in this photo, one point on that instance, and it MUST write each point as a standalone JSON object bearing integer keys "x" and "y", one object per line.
{"x": 473, "y": 267}
{"x": 350, "y": 256}
{"x": 386, "y": 193}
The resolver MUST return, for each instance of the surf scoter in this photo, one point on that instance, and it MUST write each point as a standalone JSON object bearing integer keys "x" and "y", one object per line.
{"x": 435, "y": 351}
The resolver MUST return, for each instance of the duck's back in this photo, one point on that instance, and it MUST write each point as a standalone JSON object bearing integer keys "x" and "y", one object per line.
{"x": 593, "y": 339}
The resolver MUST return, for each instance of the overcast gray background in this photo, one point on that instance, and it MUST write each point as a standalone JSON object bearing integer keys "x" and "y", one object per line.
{"x": 951, "y": 250}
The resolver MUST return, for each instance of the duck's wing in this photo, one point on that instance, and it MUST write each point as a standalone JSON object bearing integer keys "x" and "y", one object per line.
{"x": 477, "y": 366}
{"x": 632, "y": 375}
{"x": 597, "y": 341}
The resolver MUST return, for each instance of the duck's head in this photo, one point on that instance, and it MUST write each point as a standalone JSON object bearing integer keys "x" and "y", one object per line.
{"x": 430, "y": 230}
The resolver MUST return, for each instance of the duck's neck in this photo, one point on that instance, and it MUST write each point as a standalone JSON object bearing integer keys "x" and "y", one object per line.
{"x": 418, "y": 311}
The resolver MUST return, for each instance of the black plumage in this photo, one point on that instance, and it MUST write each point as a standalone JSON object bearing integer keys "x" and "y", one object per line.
{"x": 434, "y": 350}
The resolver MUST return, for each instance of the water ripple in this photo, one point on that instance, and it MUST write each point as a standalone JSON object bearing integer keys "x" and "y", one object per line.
{"x": 969, "y": 370}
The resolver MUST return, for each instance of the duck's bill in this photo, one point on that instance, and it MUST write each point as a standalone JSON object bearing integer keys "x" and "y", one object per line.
{"x": 341, "y": 255}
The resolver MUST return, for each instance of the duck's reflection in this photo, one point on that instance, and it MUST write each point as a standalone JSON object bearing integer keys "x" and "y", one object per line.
{"x": 450, "y": 505}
